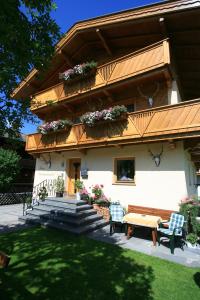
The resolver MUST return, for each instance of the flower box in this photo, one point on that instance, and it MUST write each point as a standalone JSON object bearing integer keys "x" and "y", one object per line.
{"x": 113, "y": 114}
{"x": 54, "y": 126}
{"x": 79, "y": 72}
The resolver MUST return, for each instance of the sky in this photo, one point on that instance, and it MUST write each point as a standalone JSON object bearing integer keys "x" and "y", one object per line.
{"x": 70, "y": 12}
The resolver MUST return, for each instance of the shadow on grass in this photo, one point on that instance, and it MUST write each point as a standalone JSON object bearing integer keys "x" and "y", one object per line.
{"x": 48, "y": 264}
{"x": 197, "y": 279}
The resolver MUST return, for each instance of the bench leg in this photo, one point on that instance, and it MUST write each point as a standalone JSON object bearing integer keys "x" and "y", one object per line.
{"x": 129, "y": 231}
{"x": 154, "y": 236}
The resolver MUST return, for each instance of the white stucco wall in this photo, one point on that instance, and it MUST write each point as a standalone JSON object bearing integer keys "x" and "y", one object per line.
{"x": 159, "y": 187}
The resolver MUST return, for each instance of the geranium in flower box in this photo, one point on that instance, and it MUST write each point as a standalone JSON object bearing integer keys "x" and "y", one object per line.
{"x": 91, "y": 119}
{"x": 79, "y": 72}
{"x": 54, "y": 126}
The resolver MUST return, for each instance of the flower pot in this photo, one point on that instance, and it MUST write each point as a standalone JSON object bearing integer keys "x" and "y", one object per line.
{"x": 78, "y": 196}
{"x": 59, "y": 194}
{"x": 198, "y": 219}
{"x": 84, "y": 197}
{"x": 191, "y": 246}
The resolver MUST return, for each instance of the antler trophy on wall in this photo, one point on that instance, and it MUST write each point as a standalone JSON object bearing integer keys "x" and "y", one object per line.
{"x": 149, "y": 97}
{"x": 156, "y": 157}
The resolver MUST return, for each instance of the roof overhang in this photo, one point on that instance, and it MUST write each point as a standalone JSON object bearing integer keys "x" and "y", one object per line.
{"x": 85, "y": 34}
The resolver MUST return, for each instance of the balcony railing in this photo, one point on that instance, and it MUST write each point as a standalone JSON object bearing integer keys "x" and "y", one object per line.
{"x": 144, "y": 60}
{"x": 172, "y": 121}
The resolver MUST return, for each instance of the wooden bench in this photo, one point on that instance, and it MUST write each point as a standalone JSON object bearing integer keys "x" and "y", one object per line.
{"x": 163, "y": 213}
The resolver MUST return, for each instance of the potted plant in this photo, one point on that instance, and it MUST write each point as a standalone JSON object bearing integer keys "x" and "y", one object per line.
{"x": 192, "y": 240}
{"x": 59, "y": 186}
{"x": 79, "y": 186}
{"x": 28, "y": 202}
{"x": 84, "y": 194}
{"x": 42, "y": 193}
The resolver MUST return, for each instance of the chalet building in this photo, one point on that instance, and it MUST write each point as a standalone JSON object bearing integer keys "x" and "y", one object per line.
{"x": 124, "y": 90}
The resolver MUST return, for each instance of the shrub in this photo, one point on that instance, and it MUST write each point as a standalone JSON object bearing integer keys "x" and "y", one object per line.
{"x": 191, "y": 210}
{"x": 9, "y": 168}
{"x": 192, "y": 238}
{"x": 59, "y": 185}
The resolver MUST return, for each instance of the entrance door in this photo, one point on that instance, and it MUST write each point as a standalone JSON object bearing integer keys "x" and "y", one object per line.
{"x": 74, "y": 174}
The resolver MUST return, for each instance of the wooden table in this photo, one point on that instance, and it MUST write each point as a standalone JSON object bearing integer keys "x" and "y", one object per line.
{"x": 149, "y": 221}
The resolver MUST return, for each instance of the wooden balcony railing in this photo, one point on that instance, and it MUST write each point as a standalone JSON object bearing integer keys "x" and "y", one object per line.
{"x": 163, "y": 123}
{"x": 144, "y": 60}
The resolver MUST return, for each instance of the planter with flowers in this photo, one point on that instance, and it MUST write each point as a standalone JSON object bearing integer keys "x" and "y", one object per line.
{"x": 84, "y": 194}
{"x": 79, "y": 187}
{"x": 79, "y": 72}
{"x": 100, "y": 201}
{"x": 115, "y": 113}
{"x": 54, "y": 126}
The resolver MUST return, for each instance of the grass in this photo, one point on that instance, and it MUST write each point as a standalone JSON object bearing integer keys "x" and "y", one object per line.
{"x": 48, "y": 264}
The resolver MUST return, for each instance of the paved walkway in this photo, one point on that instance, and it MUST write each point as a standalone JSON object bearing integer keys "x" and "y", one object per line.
{"x": 188, "y": 257}
{"x": 9, "y": 217}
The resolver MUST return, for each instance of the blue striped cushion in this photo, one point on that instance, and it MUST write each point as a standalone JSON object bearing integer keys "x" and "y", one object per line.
{"x": 116, "y": 212}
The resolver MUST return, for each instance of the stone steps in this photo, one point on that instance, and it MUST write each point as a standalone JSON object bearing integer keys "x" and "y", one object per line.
{"x": 62, "y": 207}
{"x": 71, "y": 215}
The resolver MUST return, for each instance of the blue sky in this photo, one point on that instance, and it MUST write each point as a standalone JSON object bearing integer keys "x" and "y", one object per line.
{"x": 70, "y": 12}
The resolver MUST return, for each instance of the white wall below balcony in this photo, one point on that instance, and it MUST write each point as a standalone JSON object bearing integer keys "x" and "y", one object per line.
{"x": 159, "y": 187}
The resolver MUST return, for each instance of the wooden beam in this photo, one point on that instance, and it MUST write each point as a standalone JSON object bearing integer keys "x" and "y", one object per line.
{"x": 66, "y": 58}
{"x": 163, "y": 27}
{"x": 104, "y": 42}
{"x": 68, "y": 107}
{"x": 108, "y": 95}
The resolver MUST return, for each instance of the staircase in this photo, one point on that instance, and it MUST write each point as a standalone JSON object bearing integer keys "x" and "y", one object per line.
{"x": 65, "y": 213}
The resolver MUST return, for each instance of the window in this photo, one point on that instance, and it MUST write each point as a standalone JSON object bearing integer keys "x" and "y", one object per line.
{"x": 124, "y": 170}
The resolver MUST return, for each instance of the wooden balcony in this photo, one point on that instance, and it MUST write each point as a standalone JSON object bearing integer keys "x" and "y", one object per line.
{"x": 124, "y": 68}
{"x": 170, "y": 122}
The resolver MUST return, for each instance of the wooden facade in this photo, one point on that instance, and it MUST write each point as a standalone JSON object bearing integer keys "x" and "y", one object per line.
{"x": 115, "y": 72}
{"x": 163, "y": 123}
{"x": 145, "y": 47}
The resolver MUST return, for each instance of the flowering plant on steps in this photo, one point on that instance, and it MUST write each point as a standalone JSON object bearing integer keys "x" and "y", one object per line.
{"x": 90, "y": 119}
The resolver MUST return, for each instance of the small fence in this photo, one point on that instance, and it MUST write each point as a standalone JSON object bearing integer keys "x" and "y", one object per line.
{"x": 13, "y": 198}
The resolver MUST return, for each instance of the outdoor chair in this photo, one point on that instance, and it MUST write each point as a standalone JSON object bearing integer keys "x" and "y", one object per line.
{"x": 173, "y": 230}
{"x": 116, "y": 216}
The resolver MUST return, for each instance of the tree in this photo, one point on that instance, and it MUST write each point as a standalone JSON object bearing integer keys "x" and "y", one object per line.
{"x": 9, "y": 168}
{"x": 27, "y": 38}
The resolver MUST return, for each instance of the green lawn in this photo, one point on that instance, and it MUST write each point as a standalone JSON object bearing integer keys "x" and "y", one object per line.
{"x": 48, "y": 264}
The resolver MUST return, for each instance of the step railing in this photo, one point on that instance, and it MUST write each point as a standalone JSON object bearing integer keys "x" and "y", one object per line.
{"x": 49, "y": 184}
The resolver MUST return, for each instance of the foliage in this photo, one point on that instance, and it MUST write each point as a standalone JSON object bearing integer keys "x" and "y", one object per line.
{"x": 51, "y": 103}
{"x": 9, "y": 168}
{"x": 28, "y": 35}
{"x": 28, "y": 201}
{"x": 104, "y": 271}
{"x": 59, "y": 185}
{"x": 98, "y": 195}
{"x": 78, "y": 71}
{"x": 54, "y": 126}
{"x": 113, "y": 113}
{"x": 190, "y": 212}
{"x": 192, "y": 238}
{"x": 42, "y": 193}
{"x": 79, "y": 185}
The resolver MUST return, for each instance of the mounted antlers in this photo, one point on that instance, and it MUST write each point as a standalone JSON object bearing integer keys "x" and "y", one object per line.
{"x": 156, "y": 157}
{"x": 148, "y": 97}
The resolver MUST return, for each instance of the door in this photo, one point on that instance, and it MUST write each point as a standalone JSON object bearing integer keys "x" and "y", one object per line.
{"x": 74, "y": 174}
